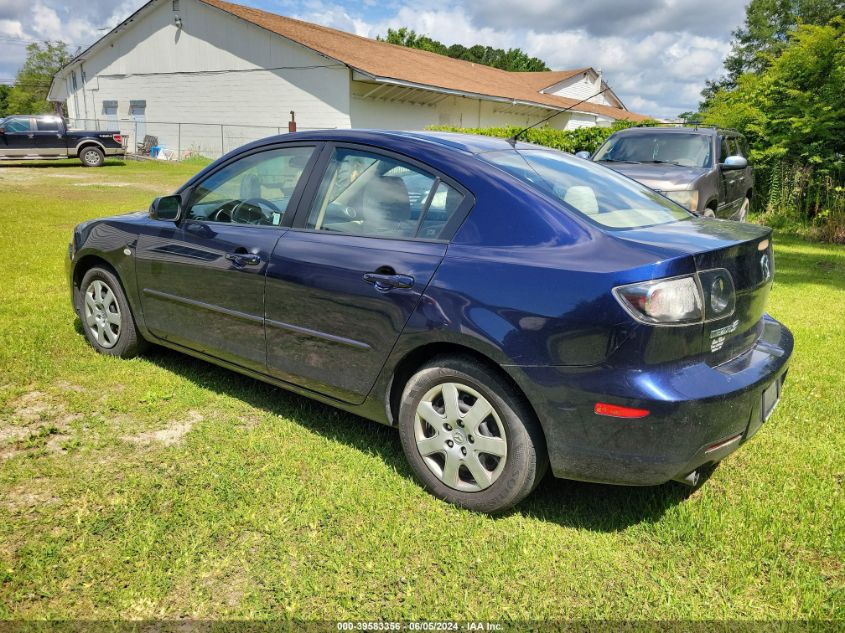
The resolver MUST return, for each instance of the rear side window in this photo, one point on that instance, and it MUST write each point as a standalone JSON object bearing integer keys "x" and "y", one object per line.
{"x": 379, "y": 196}
{"x": 598, "y": 193}
{"x": 18, "y": 125}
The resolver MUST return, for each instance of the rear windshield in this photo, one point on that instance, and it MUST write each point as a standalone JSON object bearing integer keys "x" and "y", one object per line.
{"x": 683, "y": 150}
{"x": 596, "y": 192}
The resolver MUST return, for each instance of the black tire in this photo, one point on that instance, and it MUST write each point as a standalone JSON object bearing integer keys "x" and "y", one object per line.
{"x": 92, "y": 157}
{"x": 526, "y": 460}
{"x": 120, "y": 338}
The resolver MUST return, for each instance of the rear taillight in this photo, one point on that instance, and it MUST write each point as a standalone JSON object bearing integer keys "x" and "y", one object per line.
{"x": 686, "y": 300}
{"x": 118, "y": 139}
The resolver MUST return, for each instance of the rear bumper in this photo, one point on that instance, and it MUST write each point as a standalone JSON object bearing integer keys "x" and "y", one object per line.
{"x": 698, "y": 414}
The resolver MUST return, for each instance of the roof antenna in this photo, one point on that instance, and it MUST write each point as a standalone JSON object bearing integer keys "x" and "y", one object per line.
{"x": 513, "y": 139}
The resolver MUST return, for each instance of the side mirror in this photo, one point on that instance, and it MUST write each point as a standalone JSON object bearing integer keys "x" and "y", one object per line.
{"x": 583, "y": 154}
{"x": 734, "y": 162}
{"x": 166, "y": 208}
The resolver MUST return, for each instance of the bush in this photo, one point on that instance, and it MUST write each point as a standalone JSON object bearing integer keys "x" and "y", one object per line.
{"x": 793, "y": 114}
{"x": 586, "y": 139}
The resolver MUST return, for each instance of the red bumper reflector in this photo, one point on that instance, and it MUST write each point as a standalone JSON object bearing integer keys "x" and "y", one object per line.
{"x": 615, "y": 411}
{"x": 718, "y": 445}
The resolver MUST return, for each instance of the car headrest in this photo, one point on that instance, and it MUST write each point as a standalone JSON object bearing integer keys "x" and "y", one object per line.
{"x": 250, "y": 187}
{"x": 582, "y": 198}
{"x": 386, "y": 200}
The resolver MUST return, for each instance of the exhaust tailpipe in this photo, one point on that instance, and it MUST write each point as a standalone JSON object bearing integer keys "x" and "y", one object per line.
{"x": 691, "y": 480}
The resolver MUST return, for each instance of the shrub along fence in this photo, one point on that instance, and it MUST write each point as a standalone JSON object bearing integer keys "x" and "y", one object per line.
{"x": 586, "y": 139}
{"x": 804, "y": 198}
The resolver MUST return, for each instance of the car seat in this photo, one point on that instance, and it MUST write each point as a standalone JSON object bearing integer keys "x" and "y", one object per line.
{"x": 387, "y": 206}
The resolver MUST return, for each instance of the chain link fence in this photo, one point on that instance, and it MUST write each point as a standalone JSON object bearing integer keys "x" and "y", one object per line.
{"x": 178, "y": 141}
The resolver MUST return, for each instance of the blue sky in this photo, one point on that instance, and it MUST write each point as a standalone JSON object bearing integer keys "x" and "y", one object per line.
{"x": 656, "y": 54}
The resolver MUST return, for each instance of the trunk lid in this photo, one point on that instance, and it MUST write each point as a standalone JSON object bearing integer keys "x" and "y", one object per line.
{"x": 744, "y": 250}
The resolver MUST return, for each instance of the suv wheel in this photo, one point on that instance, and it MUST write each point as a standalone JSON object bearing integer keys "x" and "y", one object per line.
{"x": 469, "y": 438}
{"x": 106, "y": 317}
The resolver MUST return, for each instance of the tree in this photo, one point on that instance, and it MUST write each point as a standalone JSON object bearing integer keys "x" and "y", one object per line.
{"x": 765, "y": 35}
{"x": 4, "y": 97}
{"x": 29, "y": 94}
{"x": 793, "y": 113}
{"x": 512, "y": 59}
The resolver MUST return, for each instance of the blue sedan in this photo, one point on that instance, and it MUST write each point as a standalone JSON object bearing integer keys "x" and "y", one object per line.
{"x": 508, "y": 307}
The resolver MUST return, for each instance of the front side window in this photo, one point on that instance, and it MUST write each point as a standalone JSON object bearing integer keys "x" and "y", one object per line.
{"x": 18, "y": 125}
{"x": 725, "y": 149}
{"x": 599, "y": 193}
{"x": 47, "y": 125}
{"x": 378, "y": 196}
{"x": 684, "y": 150}
{"x": 253, "y": 190}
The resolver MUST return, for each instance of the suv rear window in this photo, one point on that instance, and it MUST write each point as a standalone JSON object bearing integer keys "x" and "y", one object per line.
{"x": 598, "y": 193}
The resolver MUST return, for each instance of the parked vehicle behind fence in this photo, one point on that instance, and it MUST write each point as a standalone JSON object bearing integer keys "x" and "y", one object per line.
{"x": 703, "y": 169}
{"x": 46, "y": 137}
{"x": 506, "y": 306}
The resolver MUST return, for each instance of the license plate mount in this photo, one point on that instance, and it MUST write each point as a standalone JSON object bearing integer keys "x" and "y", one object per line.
{"x": 771, "y": 397}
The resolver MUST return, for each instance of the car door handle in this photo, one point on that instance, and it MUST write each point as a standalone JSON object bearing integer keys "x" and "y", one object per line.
{"x": 243, "y": 259}
{"x": 388, "y": 282}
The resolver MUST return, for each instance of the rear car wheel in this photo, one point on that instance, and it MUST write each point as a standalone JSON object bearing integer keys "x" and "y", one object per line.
{"x": 106, "y": 317}
{"x": 469, "y": 437}
{"x": 92, "y": 157}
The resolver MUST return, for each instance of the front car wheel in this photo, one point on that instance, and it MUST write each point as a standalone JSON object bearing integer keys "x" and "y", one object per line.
{"x": 106, "y": 317}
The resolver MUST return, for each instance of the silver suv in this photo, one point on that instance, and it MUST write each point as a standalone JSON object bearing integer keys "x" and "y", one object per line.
{"x": 703, "y": 169}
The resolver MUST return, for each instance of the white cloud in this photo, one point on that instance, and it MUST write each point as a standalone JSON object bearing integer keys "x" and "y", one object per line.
{"x": 46, "y": 23}
{"x": 12, "y": 28}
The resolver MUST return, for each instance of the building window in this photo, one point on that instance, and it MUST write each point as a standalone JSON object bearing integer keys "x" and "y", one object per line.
{"x": 110, "y": 111}
{"x": 73, "y": 80}
{"x": 175, "y": 5}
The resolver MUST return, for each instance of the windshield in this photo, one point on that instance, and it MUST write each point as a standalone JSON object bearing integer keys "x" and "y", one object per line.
{"x": 600, "y": 194}
{"x": 684, "y": 150}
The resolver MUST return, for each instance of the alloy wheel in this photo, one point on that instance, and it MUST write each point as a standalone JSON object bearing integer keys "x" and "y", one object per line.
{"x": 91, "y": 157}
{"x": 460, "y": 437}
{"x": 102, "y": 314}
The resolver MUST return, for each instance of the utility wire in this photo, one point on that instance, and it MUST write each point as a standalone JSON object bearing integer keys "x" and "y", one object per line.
{"x": 223, "y": 71}
{"x": 513, "y": 139}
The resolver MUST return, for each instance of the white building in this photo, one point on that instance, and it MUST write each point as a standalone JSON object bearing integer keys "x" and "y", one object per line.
{"x": 205, "y": 76}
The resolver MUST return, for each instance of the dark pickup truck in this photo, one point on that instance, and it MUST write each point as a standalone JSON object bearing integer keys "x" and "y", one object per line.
{"x": 24, "y": 137}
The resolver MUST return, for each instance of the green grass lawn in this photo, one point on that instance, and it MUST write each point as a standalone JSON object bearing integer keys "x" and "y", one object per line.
{"x": 164, "y": 487}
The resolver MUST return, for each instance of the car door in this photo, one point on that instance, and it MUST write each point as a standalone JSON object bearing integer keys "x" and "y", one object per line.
{"x": 18, "y": 138}
{"x": 745, "y": 177}
{"x": 344, "y": 281}
{"x": 49, "y": 137}
{"x": 729, "y": 179}
{"x": 201, "y": 280}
